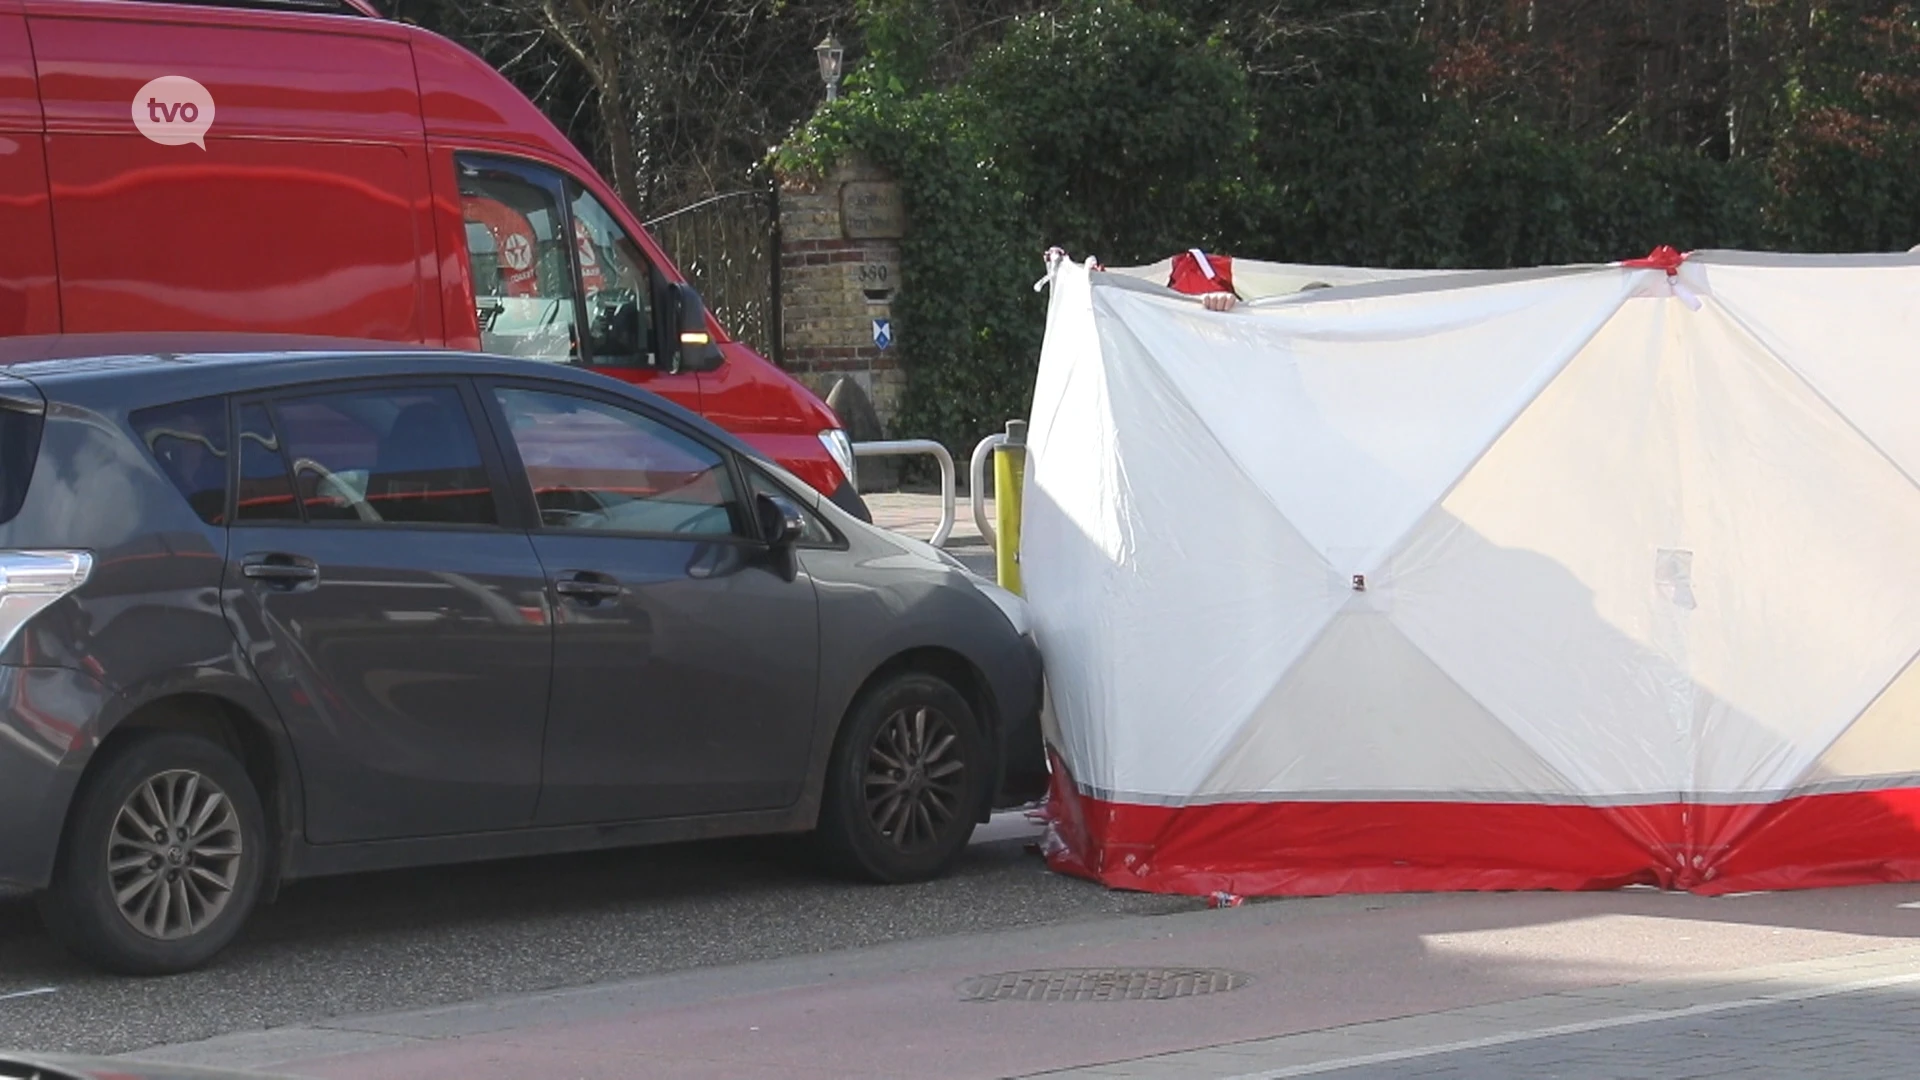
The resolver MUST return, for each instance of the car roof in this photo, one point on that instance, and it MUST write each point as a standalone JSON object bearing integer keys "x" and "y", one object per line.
{"x": 129, "y": 371}
{"x": 41, "y": 348}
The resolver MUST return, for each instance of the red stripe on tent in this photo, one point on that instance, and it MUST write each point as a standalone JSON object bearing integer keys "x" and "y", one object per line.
{"x": 1326, "y": 848}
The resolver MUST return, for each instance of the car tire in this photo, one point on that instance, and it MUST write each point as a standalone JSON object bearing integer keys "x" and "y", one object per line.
{"x": 894, "y": 808}
{"x": 199, "y": 884}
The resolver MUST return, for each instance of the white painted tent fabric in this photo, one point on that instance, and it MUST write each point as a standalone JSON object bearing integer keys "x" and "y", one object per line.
{"x": 1558, "y": 578}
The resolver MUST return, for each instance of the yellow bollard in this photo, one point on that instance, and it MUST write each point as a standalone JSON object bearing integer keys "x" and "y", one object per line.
{"x": 1009, "y": 475}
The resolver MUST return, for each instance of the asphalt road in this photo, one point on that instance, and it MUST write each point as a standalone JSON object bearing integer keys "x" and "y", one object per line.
{"x": 411, "y": 939}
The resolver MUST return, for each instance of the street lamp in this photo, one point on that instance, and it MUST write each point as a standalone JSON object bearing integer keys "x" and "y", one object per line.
{"x": 829, "y": 53}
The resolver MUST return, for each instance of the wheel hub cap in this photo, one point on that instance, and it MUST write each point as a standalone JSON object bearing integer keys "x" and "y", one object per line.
{"x": 916, "y": 780}
{"x": 173, "y": 857}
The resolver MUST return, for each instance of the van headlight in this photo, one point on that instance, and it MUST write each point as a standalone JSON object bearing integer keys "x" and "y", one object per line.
{"x": 841, "y": 449}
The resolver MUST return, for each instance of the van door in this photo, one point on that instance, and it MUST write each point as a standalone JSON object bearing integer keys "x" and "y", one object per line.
{"x": 29, "y": 293}
{"x": 301, "y": 206}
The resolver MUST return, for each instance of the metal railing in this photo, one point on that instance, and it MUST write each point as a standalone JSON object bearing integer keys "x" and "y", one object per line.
{"x": 893, "y": 447}
{"x": 976, "y": 480}
{"x": 977, "y": 485}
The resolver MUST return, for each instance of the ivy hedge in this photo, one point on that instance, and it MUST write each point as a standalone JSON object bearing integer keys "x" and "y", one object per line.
{"x": 1129, "y": 129}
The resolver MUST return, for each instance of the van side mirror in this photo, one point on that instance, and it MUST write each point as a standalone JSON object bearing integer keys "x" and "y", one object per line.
{"x": 781, "y": 523}
{"x": 692, "y": 347}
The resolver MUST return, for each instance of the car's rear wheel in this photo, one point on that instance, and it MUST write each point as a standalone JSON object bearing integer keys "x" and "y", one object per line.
{"x": 906, "y": 783}
{"x": 162, "y": 858}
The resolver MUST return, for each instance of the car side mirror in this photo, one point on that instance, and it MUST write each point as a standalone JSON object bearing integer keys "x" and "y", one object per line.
{"x": 693, "y": 346}
{"x": 781, "y": 523}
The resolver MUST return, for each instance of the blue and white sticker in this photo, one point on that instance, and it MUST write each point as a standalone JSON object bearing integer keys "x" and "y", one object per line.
{"x": 883, "y": 333}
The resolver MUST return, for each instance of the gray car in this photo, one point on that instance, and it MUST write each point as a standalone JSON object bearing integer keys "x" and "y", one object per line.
{"x": 276, "y": 608}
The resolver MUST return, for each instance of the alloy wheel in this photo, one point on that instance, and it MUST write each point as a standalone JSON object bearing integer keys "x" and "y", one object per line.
{"x": 173, "y": 858}
{"x": 916, "y": 778}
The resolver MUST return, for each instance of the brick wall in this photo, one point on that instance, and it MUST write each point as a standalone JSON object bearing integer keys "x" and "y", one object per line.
{"x": 833, "y": 286}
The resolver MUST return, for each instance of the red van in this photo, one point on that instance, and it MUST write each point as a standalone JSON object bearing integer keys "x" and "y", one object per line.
{"x": 354, "y": 177}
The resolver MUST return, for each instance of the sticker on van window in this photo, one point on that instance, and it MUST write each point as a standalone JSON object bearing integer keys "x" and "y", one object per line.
{"x": 517, "y": 251}
{"x": 591, "y": 279}
{"x": 174, "y": 110}
{"x": 513, "y": 248}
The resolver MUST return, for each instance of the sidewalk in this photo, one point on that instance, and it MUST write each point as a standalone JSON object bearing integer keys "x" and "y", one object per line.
{"x": 1598, "y": 984}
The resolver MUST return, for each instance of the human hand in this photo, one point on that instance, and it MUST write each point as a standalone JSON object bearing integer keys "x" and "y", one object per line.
{"x": 1218, "y": 301}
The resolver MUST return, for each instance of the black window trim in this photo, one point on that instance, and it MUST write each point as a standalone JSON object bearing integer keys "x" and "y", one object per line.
{"x": 506, "y": 508}
{"x": 745, "y": 521}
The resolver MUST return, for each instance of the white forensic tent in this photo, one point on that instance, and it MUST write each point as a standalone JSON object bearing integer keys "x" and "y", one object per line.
{"x": 1561, "y": 578}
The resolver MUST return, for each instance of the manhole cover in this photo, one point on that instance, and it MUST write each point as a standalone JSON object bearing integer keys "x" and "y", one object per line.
{"x": 1102, "y": 984}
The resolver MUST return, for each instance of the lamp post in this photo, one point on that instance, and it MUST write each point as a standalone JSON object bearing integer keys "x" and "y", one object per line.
{"x": 829, "y": 53}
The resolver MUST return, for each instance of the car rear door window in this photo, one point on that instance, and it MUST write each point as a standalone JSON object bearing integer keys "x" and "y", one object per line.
{"x": 189, "y": 440}
{"x": 387, "y": 456}
{"x": 598, "y": 466}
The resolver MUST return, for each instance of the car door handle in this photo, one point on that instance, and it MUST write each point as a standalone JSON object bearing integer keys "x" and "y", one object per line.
{"x": 283, "y": 570}
{"x": 586, "y": 588}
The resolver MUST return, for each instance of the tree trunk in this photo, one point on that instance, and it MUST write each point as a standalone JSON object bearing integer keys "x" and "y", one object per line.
{"x": 599, "y": 56}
